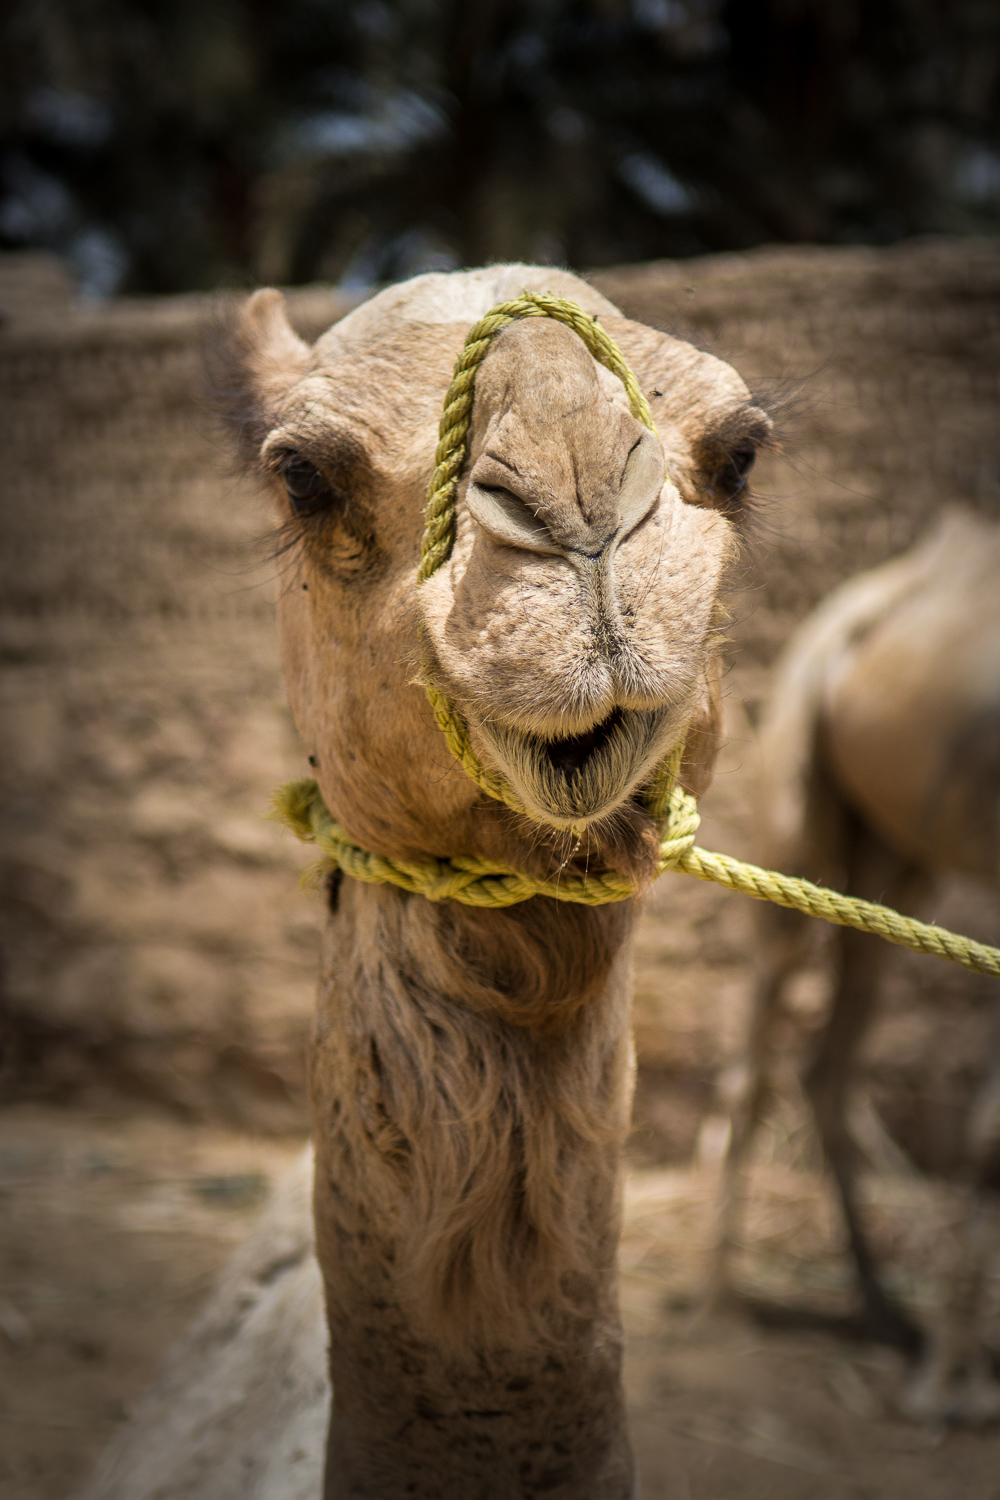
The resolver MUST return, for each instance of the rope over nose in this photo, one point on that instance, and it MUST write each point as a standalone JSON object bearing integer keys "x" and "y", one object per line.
{"x": 453, "y": 432}
{"x": 439, "y": 512}
{"x": 484, "y": 883}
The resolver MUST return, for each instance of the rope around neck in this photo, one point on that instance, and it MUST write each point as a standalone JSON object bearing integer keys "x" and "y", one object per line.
{"x": 485, "y": 883}
{"x": 474, "y": 882}
{"x": 482, "y": 882}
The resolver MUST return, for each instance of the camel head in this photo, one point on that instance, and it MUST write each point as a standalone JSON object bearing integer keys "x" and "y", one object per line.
{"x": 575, "y": 625}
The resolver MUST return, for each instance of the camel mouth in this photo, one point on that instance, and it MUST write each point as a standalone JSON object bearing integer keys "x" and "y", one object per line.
{"x": 579, "y": 779}
{"x": 570, "y": 756}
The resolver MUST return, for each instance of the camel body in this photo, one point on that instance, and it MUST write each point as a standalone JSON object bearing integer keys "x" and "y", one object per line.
{"x": 880, "y": 755}
{"x": 471, "y": 1070}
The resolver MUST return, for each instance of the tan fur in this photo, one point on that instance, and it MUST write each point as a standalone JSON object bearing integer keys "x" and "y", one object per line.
{"x": 881, "y": 759}
{"x": 517, "y": 1068}
{"x": 471, "y": 1071}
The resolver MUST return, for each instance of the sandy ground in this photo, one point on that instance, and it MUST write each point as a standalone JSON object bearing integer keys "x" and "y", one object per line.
{"x": 114, "y": 1229}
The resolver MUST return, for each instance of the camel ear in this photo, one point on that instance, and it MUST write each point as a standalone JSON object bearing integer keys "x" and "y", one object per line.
{"x": 279, "y": 350}
{"x": 253, "y": 357}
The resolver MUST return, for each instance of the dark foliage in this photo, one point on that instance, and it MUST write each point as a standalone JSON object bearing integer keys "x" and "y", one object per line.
{"x": 170, "y": 144}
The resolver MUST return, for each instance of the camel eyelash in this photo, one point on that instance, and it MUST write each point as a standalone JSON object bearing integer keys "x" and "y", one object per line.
{"x": 322, "y": 519}
{"x": 310, "y": 493}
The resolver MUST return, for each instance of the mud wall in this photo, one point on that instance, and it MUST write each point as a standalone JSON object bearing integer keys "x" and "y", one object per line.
{"x": 154, "y": 938}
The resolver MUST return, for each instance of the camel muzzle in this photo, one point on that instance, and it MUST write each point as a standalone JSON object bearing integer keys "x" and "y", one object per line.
{"x": 565, "y": 782}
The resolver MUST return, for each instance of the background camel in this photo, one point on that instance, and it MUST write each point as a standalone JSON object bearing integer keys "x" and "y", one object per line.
{"x": 471, "y": 1070}
{"x": 881, "y": 760}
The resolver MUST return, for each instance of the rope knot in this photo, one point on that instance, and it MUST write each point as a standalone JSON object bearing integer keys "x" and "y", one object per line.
{"x": 679, "y": 829}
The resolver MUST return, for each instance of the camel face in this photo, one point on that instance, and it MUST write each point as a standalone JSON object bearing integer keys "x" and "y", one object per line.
{"x": 572, "y": 626}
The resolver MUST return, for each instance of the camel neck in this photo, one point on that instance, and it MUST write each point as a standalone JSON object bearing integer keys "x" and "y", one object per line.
{"x": 471, "y": 1077}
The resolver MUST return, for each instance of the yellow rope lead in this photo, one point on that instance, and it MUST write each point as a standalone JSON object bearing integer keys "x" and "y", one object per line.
{"x": 480, "y": 882}
{"x": 845, "y": 911}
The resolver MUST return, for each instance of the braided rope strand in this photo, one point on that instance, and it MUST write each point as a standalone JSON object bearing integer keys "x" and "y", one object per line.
{"x": 844, "y": 911}
{"x": 474, "y": 882}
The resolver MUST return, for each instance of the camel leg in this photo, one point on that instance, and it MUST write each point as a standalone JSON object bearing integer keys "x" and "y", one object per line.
{"x": 875, "y": 873}
{"x": 744, "y": 1089}
{"x": 955, "y": 1381}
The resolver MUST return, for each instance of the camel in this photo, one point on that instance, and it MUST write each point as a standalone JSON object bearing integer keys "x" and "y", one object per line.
{"x": 471, "y": 1070}
{"x": 880, "y": 768}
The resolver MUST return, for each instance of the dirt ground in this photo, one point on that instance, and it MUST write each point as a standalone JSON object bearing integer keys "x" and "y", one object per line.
{"x": 158, "y": 956}
{"x": 115, "y": 1227}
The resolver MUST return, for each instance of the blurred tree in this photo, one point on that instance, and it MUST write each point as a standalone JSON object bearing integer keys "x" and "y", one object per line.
{"x": 172, "y": 144}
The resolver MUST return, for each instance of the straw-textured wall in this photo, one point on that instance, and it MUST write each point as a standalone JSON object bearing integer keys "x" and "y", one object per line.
{"x": 153, "y": 933}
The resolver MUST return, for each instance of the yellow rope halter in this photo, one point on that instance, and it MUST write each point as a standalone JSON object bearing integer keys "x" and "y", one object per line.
{"x": 480, "y": 882}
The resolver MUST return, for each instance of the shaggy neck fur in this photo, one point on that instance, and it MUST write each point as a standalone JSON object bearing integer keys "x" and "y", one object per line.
{"x": 471, "y": 1079}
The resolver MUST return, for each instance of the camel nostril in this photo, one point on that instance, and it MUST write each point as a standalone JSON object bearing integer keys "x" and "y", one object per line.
{"x": 509, "y": 519}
